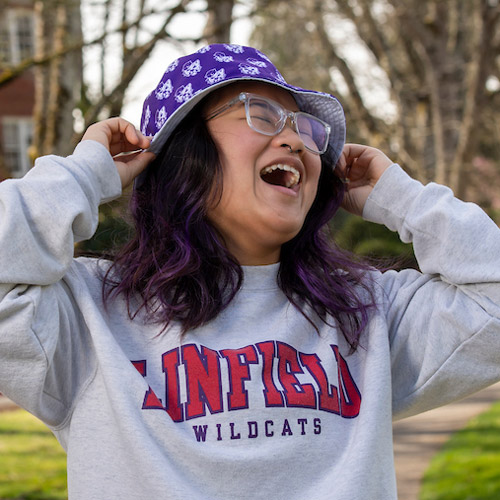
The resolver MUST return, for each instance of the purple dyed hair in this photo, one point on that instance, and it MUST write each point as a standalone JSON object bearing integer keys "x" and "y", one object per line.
{"x": 178, "y": 266}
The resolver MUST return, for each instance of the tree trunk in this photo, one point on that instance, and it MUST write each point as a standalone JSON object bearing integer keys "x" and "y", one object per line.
{"x": 57, "y": 84}
{"x": 220, "y": 17}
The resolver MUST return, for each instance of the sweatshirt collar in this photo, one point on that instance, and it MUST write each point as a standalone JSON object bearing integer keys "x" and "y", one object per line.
{"x": 260, "y": 277}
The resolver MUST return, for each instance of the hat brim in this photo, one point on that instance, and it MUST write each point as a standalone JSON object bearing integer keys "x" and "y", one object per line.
{"x": 324, "y": 106}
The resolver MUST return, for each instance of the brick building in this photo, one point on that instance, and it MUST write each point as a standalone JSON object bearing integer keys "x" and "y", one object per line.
{"x": 17, "y": 97}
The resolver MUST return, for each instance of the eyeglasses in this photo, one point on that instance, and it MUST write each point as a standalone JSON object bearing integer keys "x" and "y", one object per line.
{"x": 269, "y": 118}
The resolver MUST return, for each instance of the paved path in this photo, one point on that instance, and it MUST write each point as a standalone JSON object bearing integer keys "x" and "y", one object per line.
{"x": 417, "y": 439}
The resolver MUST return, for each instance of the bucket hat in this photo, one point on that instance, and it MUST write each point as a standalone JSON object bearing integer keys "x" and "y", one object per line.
{"x": 190, "y": 78}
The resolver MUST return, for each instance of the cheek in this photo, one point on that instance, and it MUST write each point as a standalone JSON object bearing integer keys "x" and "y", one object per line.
{"x": 314, "y": 175}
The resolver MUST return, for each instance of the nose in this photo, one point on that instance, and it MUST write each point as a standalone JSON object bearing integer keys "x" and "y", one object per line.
{"x": 289, "y": 137}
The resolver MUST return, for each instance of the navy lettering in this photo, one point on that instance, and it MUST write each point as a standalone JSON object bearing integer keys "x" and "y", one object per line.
{"x": 200, "y": 431}
{"x": 233, "y": 435}
{"x": 302, "y": 422}
{"x": 317, "y": 425}
{"x": 253, "y": 429}
{"x": 287, "y": 431}
{"x": 267, "y": 424}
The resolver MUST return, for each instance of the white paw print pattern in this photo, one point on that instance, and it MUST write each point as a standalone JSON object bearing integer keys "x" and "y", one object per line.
{"x": 164, "y": 90}
{"x": 223, "y": 57}
{"x": 172, "y": 66}
{"x": 256, "y": 62}
{"x": 237, "y": 49}
{"x": 184, "y": 93}
{"x": 203, "y": 50}
{"x": 215, "y": 75}
{"x": 160, "y": 117}
{"x": 261, "y": 54}
{"x": 191, "y": 68}
{"x": 279, "y": 77}
{"x": 248, "y": 69}
{"x": 147, "y": 117}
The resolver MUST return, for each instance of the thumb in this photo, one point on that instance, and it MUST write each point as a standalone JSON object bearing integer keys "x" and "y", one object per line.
{"x": 129, "y": 166}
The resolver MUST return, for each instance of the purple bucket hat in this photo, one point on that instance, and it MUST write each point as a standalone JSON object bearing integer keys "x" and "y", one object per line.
{"x": 189, "y": 79}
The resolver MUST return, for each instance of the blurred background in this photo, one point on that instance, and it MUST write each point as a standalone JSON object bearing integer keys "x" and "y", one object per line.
{"x": 419, "y": 79}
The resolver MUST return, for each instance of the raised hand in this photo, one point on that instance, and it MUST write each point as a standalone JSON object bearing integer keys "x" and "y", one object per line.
{"x": 119, "y": 136}
{"x": 360, "y": 167}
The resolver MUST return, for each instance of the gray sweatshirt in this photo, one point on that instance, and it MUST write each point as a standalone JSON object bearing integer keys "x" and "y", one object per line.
{"x": 255, "y": 404}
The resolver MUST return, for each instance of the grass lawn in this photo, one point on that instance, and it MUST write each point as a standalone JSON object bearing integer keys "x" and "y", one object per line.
{"x": 468, "y": 466}
{"x": 33, "y": 464}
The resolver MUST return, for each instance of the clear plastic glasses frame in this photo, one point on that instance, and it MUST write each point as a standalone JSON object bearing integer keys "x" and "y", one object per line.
{"x": 269, "y": 118}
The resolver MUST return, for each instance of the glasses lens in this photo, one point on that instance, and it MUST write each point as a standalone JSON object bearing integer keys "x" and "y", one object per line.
{"x": 264, "y": 116}
{"x": 267, "y": 117}
{"x": 313, "y": 132}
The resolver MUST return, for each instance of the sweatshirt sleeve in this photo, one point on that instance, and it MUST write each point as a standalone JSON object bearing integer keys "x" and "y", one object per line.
{"x": 55, "y": 205}
{"x": 444, "y": 322}
{"x": 41, "y": 217}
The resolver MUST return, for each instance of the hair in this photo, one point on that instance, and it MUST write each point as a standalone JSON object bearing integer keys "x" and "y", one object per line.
{"x": 177, "y": 269}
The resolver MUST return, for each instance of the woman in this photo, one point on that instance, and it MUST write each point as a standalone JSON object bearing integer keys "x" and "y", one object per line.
{"x": 228, "y": 352}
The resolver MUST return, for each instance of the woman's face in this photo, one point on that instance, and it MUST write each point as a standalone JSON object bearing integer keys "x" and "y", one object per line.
{"x": 254, "y": 216}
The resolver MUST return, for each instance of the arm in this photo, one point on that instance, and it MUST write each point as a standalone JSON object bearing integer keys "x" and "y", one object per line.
{"x": 41, "y": 216}
{"x": 444, "y": 323}
{"x": 56, "y": 203}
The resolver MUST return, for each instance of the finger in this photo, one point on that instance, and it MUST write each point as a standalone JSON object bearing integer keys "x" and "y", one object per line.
{"x": 132, "y": 135}
{"x": 127, "y": 138}
{"x": 133, "y": 165}
{"x": 122, "y": 129}
{"x": 352, "y": 151}
{"x": 124, "y": 147}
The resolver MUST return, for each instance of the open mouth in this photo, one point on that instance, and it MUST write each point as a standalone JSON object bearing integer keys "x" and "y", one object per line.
{"x": 281, "y": 175}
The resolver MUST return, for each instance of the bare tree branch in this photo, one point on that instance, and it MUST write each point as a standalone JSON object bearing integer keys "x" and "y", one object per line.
{"x": 7, "y": 74}
{"x": 484, "y": 24}
{"x": 130, "y": 69}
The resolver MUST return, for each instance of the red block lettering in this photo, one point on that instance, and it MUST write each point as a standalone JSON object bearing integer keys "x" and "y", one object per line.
{"x": 170, "y": 362}
{"x": 203, "y": 380}
{"x": 328, "y": 393}
{"x": 151, "y": 400}
{"x": 296, "y": 394}
{"x": 272, "y": 396}
{"x": 350, "y": 397}
{"x": 239, "y": 371}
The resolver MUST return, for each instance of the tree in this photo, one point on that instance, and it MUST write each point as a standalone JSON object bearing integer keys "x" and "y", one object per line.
{"x": 220, "y": 18}
{"x": 137, "y": 42}
{"x": 127, "y": 29}
{"x": 113, "y": 230}
{"x": 57, "y": 83}
{"x": 437, "y": 59}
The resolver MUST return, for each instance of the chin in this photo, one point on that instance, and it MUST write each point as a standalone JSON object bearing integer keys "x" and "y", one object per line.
{"x": 286, "y": 236}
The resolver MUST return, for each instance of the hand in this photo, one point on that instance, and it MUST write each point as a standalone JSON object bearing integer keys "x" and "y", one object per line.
{"x": 360, "y": 167}
{"x": 120, "y": 136}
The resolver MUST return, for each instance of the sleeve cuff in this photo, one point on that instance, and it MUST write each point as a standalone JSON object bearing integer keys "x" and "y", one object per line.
{"x": 98, "y": 158}
{"x": 391, "y": 198}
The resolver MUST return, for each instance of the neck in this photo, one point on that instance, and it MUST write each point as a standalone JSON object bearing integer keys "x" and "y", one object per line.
{"x": 253, "y": 255}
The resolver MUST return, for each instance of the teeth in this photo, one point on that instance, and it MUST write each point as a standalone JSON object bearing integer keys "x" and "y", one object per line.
{"x": 294, "y": 179}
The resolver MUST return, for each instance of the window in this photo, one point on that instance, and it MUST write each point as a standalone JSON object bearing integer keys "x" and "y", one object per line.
{"x": 17, "y": 135}
{"x": 16, "y": 36}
